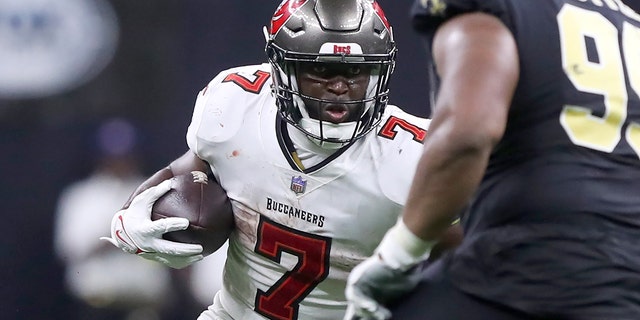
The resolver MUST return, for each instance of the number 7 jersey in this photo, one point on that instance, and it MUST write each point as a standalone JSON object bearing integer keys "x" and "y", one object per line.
{"x": 299, "y": 231}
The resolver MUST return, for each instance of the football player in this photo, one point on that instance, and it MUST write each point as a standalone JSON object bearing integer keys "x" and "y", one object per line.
{"x": 537, "y": 121}
{"x": 316, "y": 163}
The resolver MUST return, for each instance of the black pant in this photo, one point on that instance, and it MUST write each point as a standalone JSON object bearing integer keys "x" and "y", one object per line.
{"x": 436, "y": 298}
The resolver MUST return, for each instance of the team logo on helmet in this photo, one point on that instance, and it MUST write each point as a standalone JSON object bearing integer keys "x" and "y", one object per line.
{"x": 298, "y": 185}
{"x": 284, "y": 11}
{"x": 340, "y": 48}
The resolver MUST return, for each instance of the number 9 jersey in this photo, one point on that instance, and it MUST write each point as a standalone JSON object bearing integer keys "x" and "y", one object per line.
{"x": 559, "y": 205}
{"x": 299, "y": 231}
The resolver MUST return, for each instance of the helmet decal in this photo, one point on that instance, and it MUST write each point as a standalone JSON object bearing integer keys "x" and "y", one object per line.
{"x": 284, "y": 11}
{"x": 341, "y": 48}
{"x": 380, "y": 13}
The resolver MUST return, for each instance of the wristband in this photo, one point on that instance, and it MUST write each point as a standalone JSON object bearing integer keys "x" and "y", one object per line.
{"x": 401, "y": 249}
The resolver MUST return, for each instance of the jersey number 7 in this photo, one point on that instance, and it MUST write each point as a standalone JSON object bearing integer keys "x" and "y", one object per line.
{"x": 282, "y": 300}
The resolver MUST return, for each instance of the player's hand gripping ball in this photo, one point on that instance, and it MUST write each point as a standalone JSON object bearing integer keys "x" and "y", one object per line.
{"x": 204, "y": 203}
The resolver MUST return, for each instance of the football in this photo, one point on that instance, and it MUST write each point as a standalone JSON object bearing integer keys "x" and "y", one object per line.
{"x": 204, "y": 203}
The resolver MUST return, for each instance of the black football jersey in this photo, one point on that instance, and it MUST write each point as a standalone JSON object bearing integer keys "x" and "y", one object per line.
{"x": 554, "y": 226}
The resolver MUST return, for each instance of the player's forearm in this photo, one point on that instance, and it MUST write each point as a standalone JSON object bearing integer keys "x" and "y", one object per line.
{"x": 447, "y": 175}
{"x": 450, "y": 239}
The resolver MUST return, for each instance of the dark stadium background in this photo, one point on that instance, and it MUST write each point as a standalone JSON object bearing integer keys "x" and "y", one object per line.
{"x": 168, "y": 50}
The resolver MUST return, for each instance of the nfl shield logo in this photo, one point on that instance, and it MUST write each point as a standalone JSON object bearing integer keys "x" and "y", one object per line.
{"x": 298, "y": 185}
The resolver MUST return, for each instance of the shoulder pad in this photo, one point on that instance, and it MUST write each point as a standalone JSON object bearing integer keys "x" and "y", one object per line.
{"x": 397, "y": 124}
{"x": 221, "y": 106}
{"x": 401, "y": 137}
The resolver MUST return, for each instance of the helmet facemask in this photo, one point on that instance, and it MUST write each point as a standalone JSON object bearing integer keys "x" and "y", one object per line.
{"x": 369, "y": 47}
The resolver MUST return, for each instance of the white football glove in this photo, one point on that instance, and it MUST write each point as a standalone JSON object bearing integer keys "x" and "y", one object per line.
{"x": 133, "y": 231}
{"x": 387, "y": 275}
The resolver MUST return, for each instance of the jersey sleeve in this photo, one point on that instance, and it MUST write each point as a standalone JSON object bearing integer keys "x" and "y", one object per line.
{"x": 401, "y": 136}
{"x": 427, "y": 15}
{"x": 221, "y": 107}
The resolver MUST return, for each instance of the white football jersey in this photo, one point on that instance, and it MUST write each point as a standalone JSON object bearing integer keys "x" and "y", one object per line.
{"x": 299, "y": 231}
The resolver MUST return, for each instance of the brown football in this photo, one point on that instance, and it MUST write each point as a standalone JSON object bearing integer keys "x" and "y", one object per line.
{"x": 204, "y": 203}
